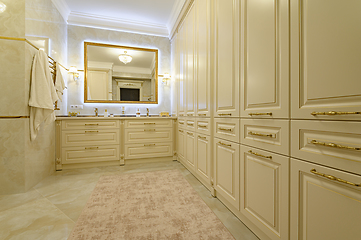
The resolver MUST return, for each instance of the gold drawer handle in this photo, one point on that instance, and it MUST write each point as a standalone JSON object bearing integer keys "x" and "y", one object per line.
{"x": 203, "y": 126}
{"x": 260, "y": 114}
{"x": 91, "y": 131}
{"x": 149, "y": 145}
{"x": 190, "y": 134}
{"x": 149, "y": 130}
{"x": 226, "y": 129}
{"x": 202, "y": 114}
{"x": 261, "y": 134}
{"x": 259, "y": 155}
{"x": 189, "y": 114}
{"x": 181, "y": 115}
{"x": 149, "y": 123}
{"x": 333, "y": 113}
{"x": 333, "y": 178}
{"x": 91, "y": 124}
{"x": 90, "y": 148}
{"x": 227, "y": 145}
{"x": 202, "y": 137}
{"x": 180, "y": 131}
{"x": 225, "y": 114}
{"x": 181, "y": 123}
{"x": 190, "y": 124}
{"x": 334, "y": 145}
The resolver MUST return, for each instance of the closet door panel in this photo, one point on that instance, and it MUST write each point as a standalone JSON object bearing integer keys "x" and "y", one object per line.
{"x": 203, "y": 157}
{"x": 190, "y": 149}
{"x": 226, "y": 84}
{"x": 190, "y": 45}
{"x": 182, "y": 70}
{"x": 265, "y": 79}
{"x": 325, "y": 57}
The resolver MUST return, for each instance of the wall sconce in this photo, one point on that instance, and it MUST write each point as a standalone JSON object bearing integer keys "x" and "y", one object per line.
{"x": 2, "y": 7}
{"x": 74, "y": 72}
{"x": 166, "y": 79}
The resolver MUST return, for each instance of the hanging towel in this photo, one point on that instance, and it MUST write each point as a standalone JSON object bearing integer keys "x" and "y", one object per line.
{"x": 59, "y": 82}
{"x": 42, "y": 94}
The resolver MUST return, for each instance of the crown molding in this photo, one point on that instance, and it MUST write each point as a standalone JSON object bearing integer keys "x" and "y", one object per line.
{"x": 180, "y": 17}
{"x": 62, "y": 7}
{"x": 117, "y": 24}
{"x": 176, "y": 10}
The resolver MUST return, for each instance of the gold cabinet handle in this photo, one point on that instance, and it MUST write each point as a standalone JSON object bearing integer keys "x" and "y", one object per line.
{"x": 200, "y": 137}
{"x": 149, "y": 145}
{"x": 91, "y": 148}
{"x": 91, "y": 131}
{"x": 91, "y": 124}
{"x": 259, "y": 155}
{"x": 225, "y": 129}
{"x": 190, "y": 124}
{"x": 181, "y": 115}
{"x": 333, "y": 113}
{"x": 190, "y": 114}
{"x": 181, "y": 123}
{"x": 261, "y": 134}
{"x": 149, "y": 123}
{"x": 202, "y": 114}
{"x": 333, "y": 178}
{"x": 149, "y": 130}
{"x": 190, "y": 134}
{"x": 260, "y": 114}
{"x": 202, "y": 126}
{"x": 225, "y": 114}
{"x": 224, "y": 144}
{"x": 180, "y": 131}
{"x": 334, "y": 145}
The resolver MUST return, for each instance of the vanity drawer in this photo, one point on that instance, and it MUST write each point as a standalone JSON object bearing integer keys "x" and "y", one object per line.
{"x": 190, "y": 124}
{"x": 142, "y": 122}
{"x": 89, "y": 137}
{"x": 148, "y": 150}
{"x": 181, "y": 123}
{"x": 203, "y": 125}
{"x": 268, "y": 134}
{"x": 93, "y": 153}
{"x": 227, "y": 128}
{"x": 148, "y": 135}
{"x": 332, "y": 143}
{"x": 89, "y": 124}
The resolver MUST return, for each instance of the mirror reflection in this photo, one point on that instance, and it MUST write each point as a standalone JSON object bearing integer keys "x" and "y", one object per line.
{"x": 120, "y": 74}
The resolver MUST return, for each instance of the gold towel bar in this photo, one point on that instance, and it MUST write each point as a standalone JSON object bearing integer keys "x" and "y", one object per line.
{"x": 334, "y": 145}
{"x": 333, "y": 178}
{"x": 259, "y": 155}
{"x": 333, "y": 113}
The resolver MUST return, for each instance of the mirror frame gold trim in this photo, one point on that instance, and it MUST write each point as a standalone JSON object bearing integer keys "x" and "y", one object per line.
{"x": 86, "y": 44}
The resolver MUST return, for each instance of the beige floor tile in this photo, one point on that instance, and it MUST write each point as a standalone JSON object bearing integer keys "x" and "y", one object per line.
{"x": 15, "y": 200}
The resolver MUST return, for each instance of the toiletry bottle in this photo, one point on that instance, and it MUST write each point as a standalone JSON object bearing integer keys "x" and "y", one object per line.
{"x": 123, "y": 110}
{"x": 106, "y": 113}
{"x": 138, "y": 113}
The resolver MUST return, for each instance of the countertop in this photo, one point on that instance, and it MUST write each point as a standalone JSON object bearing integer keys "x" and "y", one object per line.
{"x": 100, "y": 117}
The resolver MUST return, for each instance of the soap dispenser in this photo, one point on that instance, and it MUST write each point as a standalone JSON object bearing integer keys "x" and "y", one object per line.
{"x": 106, "y": 113}
{"x": 138, "y": 113}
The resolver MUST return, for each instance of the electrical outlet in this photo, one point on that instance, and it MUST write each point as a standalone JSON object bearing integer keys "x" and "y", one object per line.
{"x": 72, "y": 106}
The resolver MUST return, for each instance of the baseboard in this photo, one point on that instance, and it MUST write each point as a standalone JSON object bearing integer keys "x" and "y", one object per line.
{"x": 148, "y": 160}
{"x": 91, "y": 164}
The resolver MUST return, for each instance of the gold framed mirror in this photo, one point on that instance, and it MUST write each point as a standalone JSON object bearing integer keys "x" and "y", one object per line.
{"x": 120, "y": 74}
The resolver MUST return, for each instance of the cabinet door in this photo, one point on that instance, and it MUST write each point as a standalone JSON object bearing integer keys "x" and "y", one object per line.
{"x": 203, "y": 158}
{"x": 325, "y": 59}
{"x": 226, "y": 171}
{"x": 190, "y": 147}
{"x": 182, "y": 70}
{"x": 264, "y": 191}
{"x": 190, "y": 46}
{"x": 265, "y": 58}
{"x": 321, "y": 206}
{"x": 226, "y": 81}
{"x": 203, "y": 81}
{"x": 181, "y": 146}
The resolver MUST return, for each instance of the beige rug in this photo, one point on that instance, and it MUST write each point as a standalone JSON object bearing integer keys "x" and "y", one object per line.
{"x": 152, "y": 205}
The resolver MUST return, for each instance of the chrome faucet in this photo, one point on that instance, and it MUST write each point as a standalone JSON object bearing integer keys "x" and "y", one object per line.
{"x": 96, "y": 112}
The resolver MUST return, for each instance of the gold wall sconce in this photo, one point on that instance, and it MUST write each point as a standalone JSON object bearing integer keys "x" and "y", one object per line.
{"x": 74, "y": 71}
{"x": 166, "y": 79}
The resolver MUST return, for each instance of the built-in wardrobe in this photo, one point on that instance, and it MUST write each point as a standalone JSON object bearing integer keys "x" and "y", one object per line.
{"x": 268, "y": 99}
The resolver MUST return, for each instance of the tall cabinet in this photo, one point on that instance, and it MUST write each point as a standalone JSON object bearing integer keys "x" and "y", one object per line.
{"x": 271, "y": 112}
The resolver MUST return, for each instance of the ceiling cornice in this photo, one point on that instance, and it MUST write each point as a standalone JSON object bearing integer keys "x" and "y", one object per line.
{"x": 117, "y": 24}
{"x": 176, "y": 10}
{"x": 63, "y": 8}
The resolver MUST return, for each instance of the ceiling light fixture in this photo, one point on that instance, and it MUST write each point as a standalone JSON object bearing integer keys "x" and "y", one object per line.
{"x": 125, "y": 58}
{"x": 2, "y": 7}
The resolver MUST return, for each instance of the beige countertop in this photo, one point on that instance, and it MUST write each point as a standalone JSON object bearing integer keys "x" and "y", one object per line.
{"x": 100, "y": 117}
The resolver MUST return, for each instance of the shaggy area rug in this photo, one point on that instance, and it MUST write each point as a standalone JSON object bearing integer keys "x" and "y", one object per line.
{"x": 152, "y": 205}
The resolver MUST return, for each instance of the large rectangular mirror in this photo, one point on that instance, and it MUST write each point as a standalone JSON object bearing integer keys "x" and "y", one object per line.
{"x": 120, "y": 74}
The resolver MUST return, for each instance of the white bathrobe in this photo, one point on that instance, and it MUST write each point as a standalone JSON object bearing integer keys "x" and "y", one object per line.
{"x": 59, "y": 82}
{"x": 42, "y": 94}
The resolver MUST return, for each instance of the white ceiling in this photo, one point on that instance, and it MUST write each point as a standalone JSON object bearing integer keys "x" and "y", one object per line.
{"x": 154, "y": 17}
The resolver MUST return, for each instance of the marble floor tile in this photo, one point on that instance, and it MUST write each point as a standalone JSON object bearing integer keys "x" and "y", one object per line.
{"x": 50, "y": 209}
